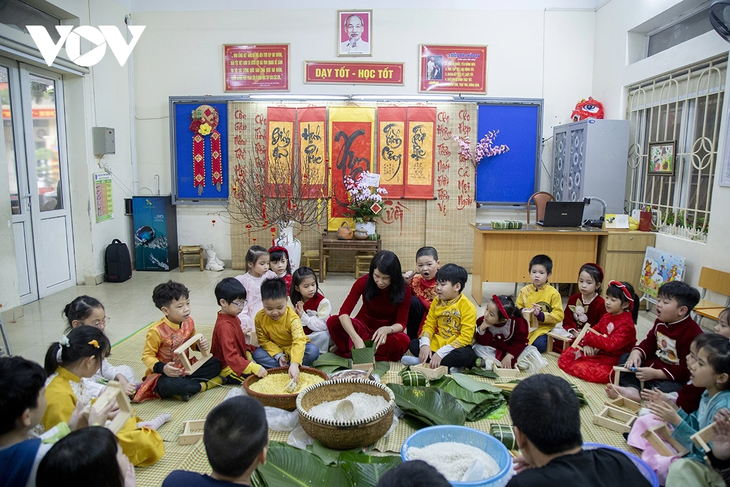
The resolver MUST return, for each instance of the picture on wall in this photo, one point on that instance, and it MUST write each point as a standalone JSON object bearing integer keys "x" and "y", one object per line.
{"x": 659, "y": 267}
{"x": 661, "y": 158}
{"x": 354, "y": 28}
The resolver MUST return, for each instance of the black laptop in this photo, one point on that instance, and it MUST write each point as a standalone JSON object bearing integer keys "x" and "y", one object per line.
{"x": 563, "y": 214}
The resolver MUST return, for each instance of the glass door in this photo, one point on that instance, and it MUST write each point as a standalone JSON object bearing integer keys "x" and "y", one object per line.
{"x": 34, "y": 139}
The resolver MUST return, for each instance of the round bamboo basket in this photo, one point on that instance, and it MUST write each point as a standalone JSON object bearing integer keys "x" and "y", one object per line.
{"x": 282, "y": 401}
{"x": 345, "y": 435}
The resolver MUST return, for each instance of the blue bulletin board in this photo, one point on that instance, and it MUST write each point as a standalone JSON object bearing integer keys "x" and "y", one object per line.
{"x": 181, "y": 152}
{"x": 513, "y": 177}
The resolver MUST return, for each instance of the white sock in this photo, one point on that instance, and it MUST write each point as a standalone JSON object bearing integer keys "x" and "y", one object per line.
{"x": 155, "y": 423}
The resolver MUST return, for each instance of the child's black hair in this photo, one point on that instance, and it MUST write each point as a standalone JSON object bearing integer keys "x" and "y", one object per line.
{"x": 20, "y": 380}
{"x": 617, "y": 292}
{"x": 547, "y": 400}
{"x": 229, "y": 289}
{"x": 85, "y": 457}
{"x": 296, "y": 280}
{"x": 164, "y": 294}
{"x": 508, "y": 303}
{"x": 543, "y": 260}
{"x": 413, "y": 473}
{"x": 235, "y": 432}
{"x": 79, "y": 309}
{"x": 253, "y": 255}
{"x": 387, "y": 263}
{"x": 595, "y": 274}
{"x": 455, "y": 274}
{"x": 273, "y": 289}
{"x": 80, "y": 345}
{"x": 278, "y": 253}
{"x": 718, "y": 355}
{"x": 681, "y": 292}
{"x": 427, "y": 251}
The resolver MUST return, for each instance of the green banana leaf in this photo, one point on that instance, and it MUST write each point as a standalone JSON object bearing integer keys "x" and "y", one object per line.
{"x": 367, "y": 470}
{"x": 473, "y": 385}
{"x": 455, "y": 389}
{"x": 328, "y": 369}
{"x": 581, "y": 397}
{"x": 328, "y": 455}
{"x": 430, "y": 404}
{"x": 482, "y": 372}
{"x": 328, "y": 358}
{"x": 498, "y": 413}
{"x": 287, "y": 466}
{"x": 363, "y": 355}
{"x": 257, "y": 480}
{"x": 381, "y": 368}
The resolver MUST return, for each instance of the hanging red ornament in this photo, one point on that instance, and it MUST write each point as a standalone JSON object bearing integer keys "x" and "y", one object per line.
{"x": 273, "y": 236}
{"x": 248, "y": 231}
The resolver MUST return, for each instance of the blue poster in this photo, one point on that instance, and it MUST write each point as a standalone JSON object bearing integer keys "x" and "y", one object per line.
{"x": 184, "y": 185}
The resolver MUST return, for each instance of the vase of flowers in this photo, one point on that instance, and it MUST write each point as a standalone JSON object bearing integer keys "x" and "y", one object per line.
{"x": 366, "y": 200}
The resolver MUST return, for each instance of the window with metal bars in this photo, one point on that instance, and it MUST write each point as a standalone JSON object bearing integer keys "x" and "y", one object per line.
{"x": 683, "y": 109}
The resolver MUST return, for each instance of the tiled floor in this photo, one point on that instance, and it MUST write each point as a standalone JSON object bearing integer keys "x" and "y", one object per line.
{"x": 130, "y": 306}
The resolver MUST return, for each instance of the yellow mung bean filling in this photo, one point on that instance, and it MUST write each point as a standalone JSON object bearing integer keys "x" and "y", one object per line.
{"x": 276, "y": 383}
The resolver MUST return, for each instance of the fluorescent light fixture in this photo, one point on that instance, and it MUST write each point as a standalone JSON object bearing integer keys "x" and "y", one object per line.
{"x": 299, "y": 97}
{"x": 404, "y": 97}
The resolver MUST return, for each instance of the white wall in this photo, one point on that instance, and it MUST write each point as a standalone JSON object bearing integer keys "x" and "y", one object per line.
{"x": 532, "y": 54}
{"x": 100, "y": 98}
{"x": 612, "y": 72}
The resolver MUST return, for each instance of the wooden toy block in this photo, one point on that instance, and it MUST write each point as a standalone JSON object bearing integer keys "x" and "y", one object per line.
{"x": 623, "y": 402}
{"x": 192, "y": 432}
{"x": 431, "y": 374}
{"x": 180, "y": 352}
{"x": 580, "y": 336}
{"x": 614, "y": 419}
{"x": 531, "y": 319}
{"x": 504, "y": 372}
{"x": 365, "y": 367}
{"x": 617, "y": 373}
{"x": 551, "y": 337}
{"x": 703, "y": 437}
{"x": 658, "y": 435}
{"x": 114, "y": 391}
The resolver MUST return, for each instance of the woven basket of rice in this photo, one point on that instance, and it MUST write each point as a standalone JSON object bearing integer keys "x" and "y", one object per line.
{"x": 282, "y": 401}
{"x": 345, "y": 435}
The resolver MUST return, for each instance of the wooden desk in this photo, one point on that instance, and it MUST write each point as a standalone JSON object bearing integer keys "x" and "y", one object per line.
{"x": 331, "y": 242}
{"x": 504, "y": 255}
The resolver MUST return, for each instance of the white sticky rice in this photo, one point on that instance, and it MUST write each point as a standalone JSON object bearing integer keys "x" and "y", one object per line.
{"x": 453, "y": 459}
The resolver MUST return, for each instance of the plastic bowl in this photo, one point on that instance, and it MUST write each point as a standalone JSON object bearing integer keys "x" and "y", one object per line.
{"x": 643, "y": 467}
{"x": 471, "y": 437}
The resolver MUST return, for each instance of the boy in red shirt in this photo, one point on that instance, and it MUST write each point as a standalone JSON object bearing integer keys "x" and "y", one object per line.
{"x": 423, "y": 289}
{"x": 660, "y": 360}
{"x": 229, "y": 344}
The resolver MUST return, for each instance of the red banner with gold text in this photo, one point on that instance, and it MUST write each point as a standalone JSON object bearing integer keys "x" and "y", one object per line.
{"x": 351, "y": 152}
{"x": 353, "y": 73}
{"x": 392, "y": 149}
{"x": 279, "y": 150}
{"x": 312, "y": 133}
{"x": 421, "y": 142}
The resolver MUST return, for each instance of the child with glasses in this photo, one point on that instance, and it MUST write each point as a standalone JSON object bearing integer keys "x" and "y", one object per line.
{"x": 86, "y": 310}
{"x": 229, "y": 343}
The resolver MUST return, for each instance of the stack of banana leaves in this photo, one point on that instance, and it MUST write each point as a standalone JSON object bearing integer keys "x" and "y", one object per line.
{"x": 508, "y": 387}
{"x": 449, "y": 400}
{"x": 287, "y": 466}
{"x": 330, "y": 363}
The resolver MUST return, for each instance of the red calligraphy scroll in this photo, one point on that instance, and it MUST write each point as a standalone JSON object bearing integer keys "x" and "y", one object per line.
{"x": 312, "y": 133}
{"x": 279, "y": 150}
{"x": 421, "y": 141}
{"x": 392, "y": 149}
{"x": 351, "y": 152}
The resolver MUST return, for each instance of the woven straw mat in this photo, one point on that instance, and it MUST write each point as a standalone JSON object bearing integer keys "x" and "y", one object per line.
{"x": 193, "y": 457}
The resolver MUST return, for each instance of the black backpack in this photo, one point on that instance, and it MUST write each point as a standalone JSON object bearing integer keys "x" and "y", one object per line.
{"x": 118, "y": 263}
